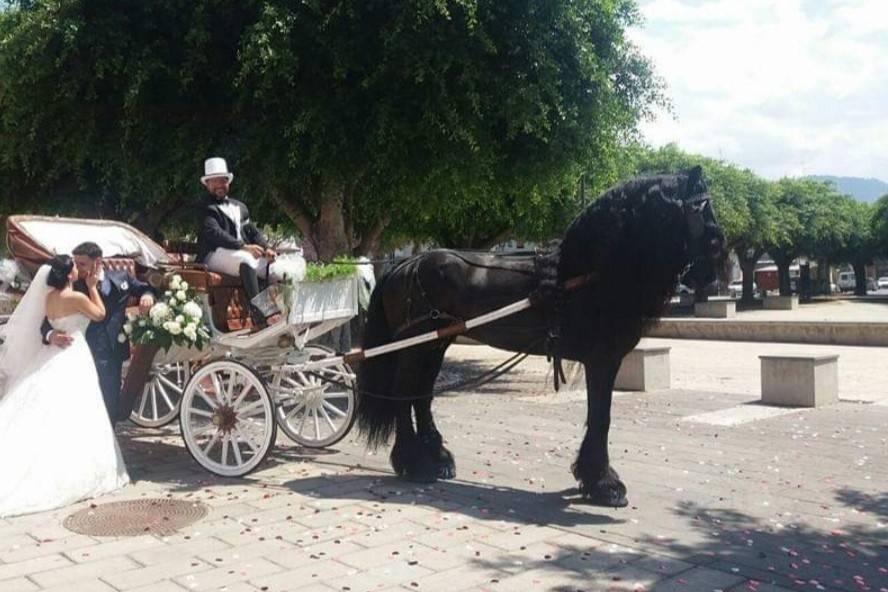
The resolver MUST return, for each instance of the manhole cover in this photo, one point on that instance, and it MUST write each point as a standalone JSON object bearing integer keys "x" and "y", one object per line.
{"x": 131, "y": 518}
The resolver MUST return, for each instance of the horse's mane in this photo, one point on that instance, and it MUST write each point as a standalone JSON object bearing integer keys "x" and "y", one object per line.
{"x": 626, "y": 220}
{"x": 632, "y": 239}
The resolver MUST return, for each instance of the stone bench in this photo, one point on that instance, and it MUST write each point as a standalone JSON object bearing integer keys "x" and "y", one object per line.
{"x": 780, "y": 302}
{"x": 716, "y": 309}
{"x": 800, "y": 381}
{"x": 645, "y": 368}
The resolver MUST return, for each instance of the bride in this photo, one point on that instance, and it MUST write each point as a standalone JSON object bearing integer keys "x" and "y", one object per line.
{"x": 57, "y": 446}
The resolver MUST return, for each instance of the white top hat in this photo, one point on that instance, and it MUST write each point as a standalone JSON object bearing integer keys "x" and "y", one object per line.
{"x": 215, "y": 167}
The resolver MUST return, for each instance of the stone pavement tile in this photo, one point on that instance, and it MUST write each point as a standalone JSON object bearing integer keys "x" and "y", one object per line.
{"x": 360, "y": 582}
{"x": 38, "y": 549}
{"x": 384, "y": 533}
{"x": 33, "y": 566}
{"x": 168, "y": 586}
{"x": 520, "y": 536}
{"x": 94, "y": 585}
{"x": 240, "y": 534}
{"x": 403, "y": 550}
{"x": 83, "y": 571}
{"x": 699, "y": 578}
{"x": 342, "y": 531}
{"x": 18, "y": 585}
{"x": 405, "y": 573}
{"x": 230, "y": 574}
{"x": 164, "y": 553}
{"x": 314, "y": 573}
{"x": 278, "y": 514}
{"x": 13, "y": 541}
{"x": 540, "y": 579}
{"x": 297, "y": 588}
{"x": 112, "y": 547}
{"x": 145, "y": 576}
{"x": 243, "y": 553}
{"x": 329, "y": 517}
{"x": 661, "y": 564}
{"x": 299, "y": 556}
{"x": 464, "y": 577}
{"x": 445, "y": 539}
{"x": 755, "y": 586}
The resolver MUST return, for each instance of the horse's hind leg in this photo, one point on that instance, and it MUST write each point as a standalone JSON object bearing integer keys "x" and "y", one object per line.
{"x": 599, "y": 482}
{"x": 409, "y": 457}
{"x": 429, "y": 436}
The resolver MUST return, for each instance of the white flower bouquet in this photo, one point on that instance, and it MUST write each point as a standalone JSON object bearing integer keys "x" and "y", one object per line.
{"x": 176, "y": 318}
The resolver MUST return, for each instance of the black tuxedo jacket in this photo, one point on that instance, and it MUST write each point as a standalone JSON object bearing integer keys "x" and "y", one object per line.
{"x": 115, "y": 290}
{"x": 218, "y": 230}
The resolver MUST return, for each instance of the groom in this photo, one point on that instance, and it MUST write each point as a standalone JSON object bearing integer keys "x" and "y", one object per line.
{"x": 115, "y": 288}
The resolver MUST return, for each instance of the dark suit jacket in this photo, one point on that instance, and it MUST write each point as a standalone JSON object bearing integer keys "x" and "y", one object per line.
{"x": 218, "y": 230}
{"x": 115, "y": 290}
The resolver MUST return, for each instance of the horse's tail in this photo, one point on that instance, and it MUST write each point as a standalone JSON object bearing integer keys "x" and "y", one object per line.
{"x": 376, "y": 414}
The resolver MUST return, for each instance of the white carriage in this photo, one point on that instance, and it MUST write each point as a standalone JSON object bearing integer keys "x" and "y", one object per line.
{"x": 231, "y": 396}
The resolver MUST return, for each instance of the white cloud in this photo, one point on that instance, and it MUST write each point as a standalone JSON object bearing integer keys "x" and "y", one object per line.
{"x": 784, "y": 87}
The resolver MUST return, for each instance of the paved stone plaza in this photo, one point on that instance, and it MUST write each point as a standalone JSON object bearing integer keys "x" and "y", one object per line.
{"x": 767, "y": 501}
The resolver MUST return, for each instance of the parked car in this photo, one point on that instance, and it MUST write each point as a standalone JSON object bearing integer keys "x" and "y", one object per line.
{"x": 847, "y": 281}
{"x": 735, "y": 288}
{"x": 882, "y": 283}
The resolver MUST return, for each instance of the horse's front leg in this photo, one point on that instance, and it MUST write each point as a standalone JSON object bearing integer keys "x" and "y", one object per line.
{"x": 598, "y": 481}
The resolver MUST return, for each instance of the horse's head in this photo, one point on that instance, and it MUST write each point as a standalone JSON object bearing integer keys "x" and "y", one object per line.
{"x": 704, "y": 241}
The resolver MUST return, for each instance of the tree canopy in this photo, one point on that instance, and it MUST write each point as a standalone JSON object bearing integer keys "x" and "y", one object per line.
{"x": 346, "y": 117}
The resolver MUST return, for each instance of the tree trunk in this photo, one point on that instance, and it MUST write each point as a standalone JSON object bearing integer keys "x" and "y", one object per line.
{"x": 783, "y": 261}
{"x": 747, "y": 267}
{"x": 329, "y": 234}
{"x": 859, "y": 277}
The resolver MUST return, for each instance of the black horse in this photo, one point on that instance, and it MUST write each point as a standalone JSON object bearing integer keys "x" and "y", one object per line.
{"x": 595, "y": 292}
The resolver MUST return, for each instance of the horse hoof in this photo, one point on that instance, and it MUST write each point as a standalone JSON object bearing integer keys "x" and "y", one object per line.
{"x": 446, "y": 472}
{"x": 607, "y": 499}
{"x": 421, "y": 477}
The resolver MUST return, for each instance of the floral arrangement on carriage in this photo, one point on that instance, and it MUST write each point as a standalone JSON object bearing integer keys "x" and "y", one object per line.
{"x": 176, "y": 319}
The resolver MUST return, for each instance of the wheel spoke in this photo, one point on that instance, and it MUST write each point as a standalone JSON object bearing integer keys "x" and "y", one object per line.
{"x": 202, "y": 413}
{"x": 229, "y": 391}
{"x": 217, "y": 386}
{"x": 212, "y": 443}
{"x": 204, "y": 430}
{"x": 317, "y": 423}
{"x": 335, "y": 409}
{"x": 295, "y": 410}
{"x": 247, "y": 388}
{"x": 169, "y": 383}
{"x": 248, "y": 410}
{"x": 144, "y": 401}
{"x": 154, "y": 401}
{"x": 237, "y": 453}
{"x": 336, "y": 395}
{"x": 302, "y": 423}
{"x": 225, "y": 440}
{"x": 246, "y": 440}
{"x": 203, "y": 395}
{"x": 163, "y": 394}
{"x": 329, "y": 421}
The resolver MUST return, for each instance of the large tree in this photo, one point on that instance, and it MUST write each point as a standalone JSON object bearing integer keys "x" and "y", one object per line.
{"x": 345, "y": 115}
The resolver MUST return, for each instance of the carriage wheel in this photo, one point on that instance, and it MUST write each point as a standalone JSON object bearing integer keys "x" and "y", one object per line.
{"x": 227, "y": 418}
{"x": 159, "y": 402}
{"x": 316, "y": 409}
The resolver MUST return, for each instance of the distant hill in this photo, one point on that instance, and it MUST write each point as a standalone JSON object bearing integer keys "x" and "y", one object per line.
{"x": 868, "y": 190}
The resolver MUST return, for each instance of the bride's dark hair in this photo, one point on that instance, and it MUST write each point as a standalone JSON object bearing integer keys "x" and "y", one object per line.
{"x": 60, "y": 268}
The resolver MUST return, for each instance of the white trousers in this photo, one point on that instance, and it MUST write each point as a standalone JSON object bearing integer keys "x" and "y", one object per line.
{"x": 228, "y": 262}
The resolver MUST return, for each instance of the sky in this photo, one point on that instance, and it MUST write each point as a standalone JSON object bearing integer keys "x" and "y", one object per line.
{"x": 783, "y": 87}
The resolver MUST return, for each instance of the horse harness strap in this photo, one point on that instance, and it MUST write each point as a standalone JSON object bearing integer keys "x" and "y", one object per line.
{"x": 462, "y": 326}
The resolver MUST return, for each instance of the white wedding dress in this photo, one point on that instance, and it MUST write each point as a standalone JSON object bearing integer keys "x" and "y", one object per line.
{"x": 57, "y": 445}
